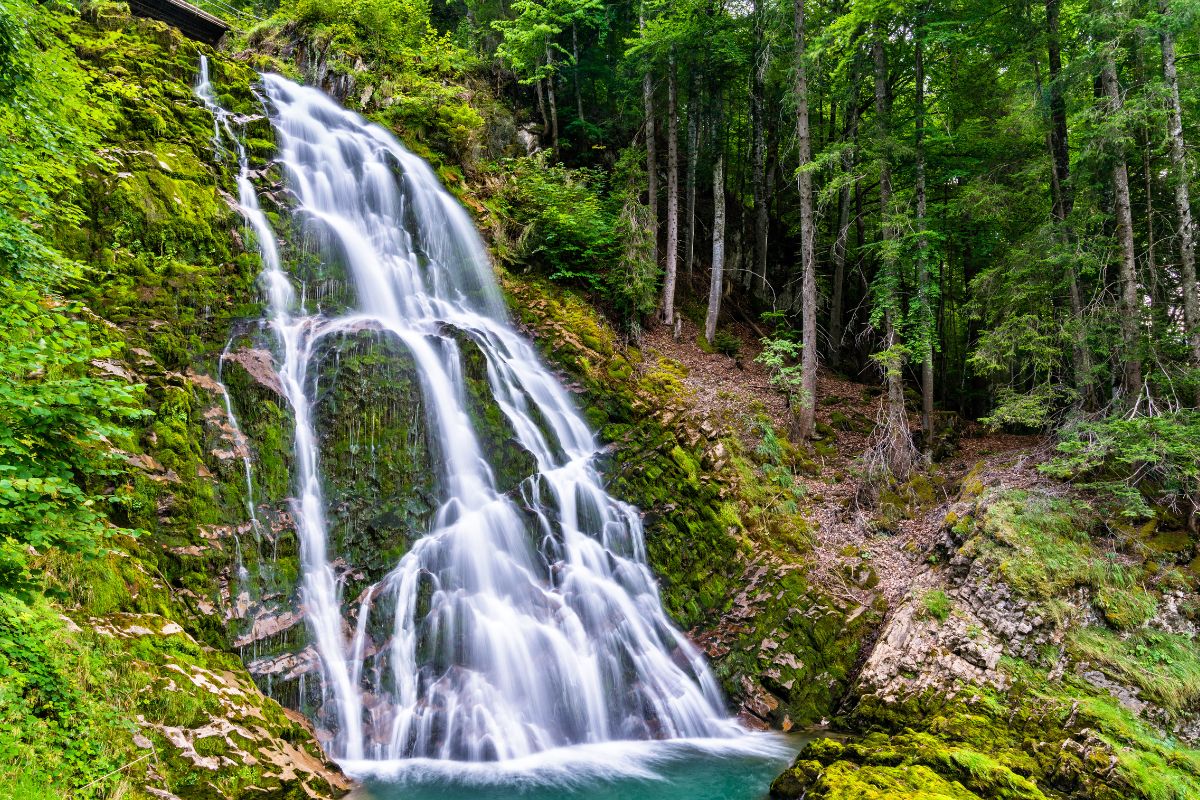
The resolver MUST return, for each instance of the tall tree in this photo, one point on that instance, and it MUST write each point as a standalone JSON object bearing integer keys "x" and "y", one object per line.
{"x": 668, "y": 301}
{"x": 1062, "y": 199}
{"x": 894, "y": 447}
{"x": 575, "y": 71}
{"x": 925, "y": 322}
{"x": 717, "y": 277}
{"x": 551, "y": 73}
{"x": 842, "y": 233}
{"x": 806, "y": 419}
{"x": 1131, "y": 364}
{"x": 693, "y": 158}
{"x": 651, "y": 159}
{"x": 1183, "y": 205}
{"x": 758, "y": 113}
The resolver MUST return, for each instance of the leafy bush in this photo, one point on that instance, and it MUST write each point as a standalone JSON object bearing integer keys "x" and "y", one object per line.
{"x": 47, "y": 129}
{"x": 1034, "y": 409}
{"x": 779, "y": 355}
{"x": 381, "y": 25}
{"x": 572, "y": 230}
{"x": 59, "y": 427}
{"x": 1138, "y": 461}
{"x": 55, "y": 736}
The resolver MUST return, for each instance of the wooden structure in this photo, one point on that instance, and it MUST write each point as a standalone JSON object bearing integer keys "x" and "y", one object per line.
{"x": 191, "y": 21}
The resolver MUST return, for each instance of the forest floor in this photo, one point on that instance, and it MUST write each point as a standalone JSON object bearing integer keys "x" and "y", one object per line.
{"x": 737, "y": 391}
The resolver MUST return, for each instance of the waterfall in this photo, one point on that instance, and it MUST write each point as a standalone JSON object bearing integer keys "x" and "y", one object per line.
{"x": 520, "y": 621}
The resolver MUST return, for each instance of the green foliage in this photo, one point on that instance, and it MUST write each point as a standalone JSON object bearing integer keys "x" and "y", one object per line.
{"x": 528, "y": 38}
{"x": 54, "y": 734}
{"x": 1034, "y": 409}
{"x": 60, "y": 424}
{"x": 1025, "y": 355}
{"x": 779, "y": 355}
{"x": 1136, "y": 461}
{"x": 570, "y": 231}
{"x": 727, "y": 344}
{"x": 59, "y": 430}
{"x": 577, "y": 234}
{"x": 776, "y": 460}
{"x": 382, "y": 26}
{"x": 49, "y": 127}
{"x": 632, "y": 282}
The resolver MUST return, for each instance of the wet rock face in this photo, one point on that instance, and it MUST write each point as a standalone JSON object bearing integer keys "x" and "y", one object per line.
{"x": 785, "y": 651}
{"x": 376, "y": 457}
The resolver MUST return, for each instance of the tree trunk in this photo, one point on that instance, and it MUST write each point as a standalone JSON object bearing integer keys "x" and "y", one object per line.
{"x": 759, "y": 152}
{"x": 806, "y": 419}
{"x": 1183, "y": 209}
{"x": 1131, "y": 365}
{"x": 541, "y": 100}
{"x": 575, "y": 71}
{"x": 1063, "y": 201}
{"x": 927, "y": 323}
{"x": 651, "y": 160}
{"x": 693, "y": 157}
{"x": 1151, "y": 271}
{"x": 895, "y": 444}
{"x": 550, "y": 99}
{"x": 842, "y": 235}
{"x": 668, "y": 302}
{"x": 718, "y": 249}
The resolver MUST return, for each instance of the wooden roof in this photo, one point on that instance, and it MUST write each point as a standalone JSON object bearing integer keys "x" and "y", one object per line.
{"x": 191, "y": 21}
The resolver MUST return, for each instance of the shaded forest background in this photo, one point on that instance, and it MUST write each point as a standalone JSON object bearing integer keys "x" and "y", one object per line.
{"x": 986, "y": 206}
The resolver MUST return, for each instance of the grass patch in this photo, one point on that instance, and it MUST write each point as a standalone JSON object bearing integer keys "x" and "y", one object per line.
{"x": 936, "y": 604}
{"x": 1164, "y": 667}
{"x": 1042, "y": 547}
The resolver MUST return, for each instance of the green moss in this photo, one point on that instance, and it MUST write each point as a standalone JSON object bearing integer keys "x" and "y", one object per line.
{"x": 380, "y": 475}
{"x": 1170, "y": 542}
{"x": 1125, "y": 608}
{"x": 913, "y": 765}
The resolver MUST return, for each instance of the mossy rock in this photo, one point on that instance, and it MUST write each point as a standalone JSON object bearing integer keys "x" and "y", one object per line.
{"x": 1170, "y": 543}
{"x": 380, "y": 470}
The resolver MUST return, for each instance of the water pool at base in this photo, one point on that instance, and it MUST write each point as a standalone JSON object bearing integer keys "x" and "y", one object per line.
{"x": 656, "y": 770}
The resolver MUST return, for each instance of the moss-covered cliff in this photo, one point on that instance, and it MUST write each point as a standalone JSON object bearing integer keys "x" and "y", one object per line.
{"x": 127, "y": 680}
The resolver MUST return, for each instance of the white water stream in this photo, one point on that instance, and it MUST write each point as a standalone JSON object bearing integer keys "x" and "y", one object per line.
{"x": 519, "y": 623}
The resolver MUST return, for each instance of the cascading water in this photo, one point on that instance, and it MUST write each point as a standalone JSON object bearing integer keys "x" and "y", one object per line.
{"x": 521, "y": 621}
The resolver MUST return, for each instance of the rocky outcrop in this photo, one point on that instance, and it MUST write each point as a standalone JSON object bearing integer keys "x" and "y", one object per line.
{"x": 918, "y": 652}
{"x": 1026, "y": 664}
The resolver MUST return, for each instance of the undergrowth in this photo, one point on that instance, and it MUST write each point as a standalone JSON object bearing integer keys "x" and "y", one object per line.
{"x": 1165, "y": 667}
